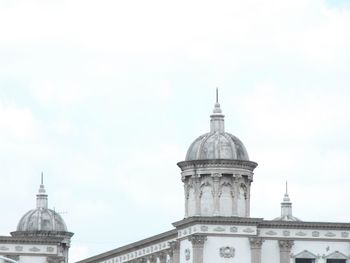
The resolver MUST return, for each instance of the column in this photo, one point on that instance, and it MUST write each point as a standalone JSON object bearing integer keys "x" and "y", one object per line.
{"x": 197, "y": 182}
{"x": 174, "y": 251}
{"x": 255, "y": 249}
{"x": 216, "y": 181}
{"x": 285, "y": 249}
{"x": 197, "y": 241}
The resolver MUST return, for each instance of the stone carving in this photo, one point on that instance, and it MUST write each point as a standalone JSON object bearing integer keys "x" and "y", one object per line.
{"x": 330, "y": 234}
{"x": 286, "y": 233}
{"x": 344, "y": 234}
{"x": 271, "y": 233}
{"x": 197, "y": 239}
{"x": 285, "y": 245}
{"x": 248, "y": 230}
{"x": 204, "y": 228}
{"x": 301, "y": 234}
{"x": 152, "y": 259}
{"x": 19, "y": 248}
{"x": 256, "y": 242}
{"x": 187, "y": 254}
{"x": 3, "y": 248}
{"x": 162, "y": 256}
{"x": 174, "y": 245}
{"x": 219, "y": 229}
{"x": 227, "y": 252}
{"x": 315, "y": 233}
{"x": 34, "y": 249}
{"x": 50, "y": 249}
{"x": 233, "y": 229}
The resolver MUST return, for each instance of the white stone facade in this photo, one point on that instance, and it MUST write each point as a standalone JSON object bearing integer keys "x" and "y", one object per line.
{"x": 217, "y": 228}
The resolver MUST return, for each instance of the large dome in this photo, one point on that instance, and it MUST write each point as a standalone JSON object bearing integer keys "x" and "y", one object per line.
{"x": 217, "y": 144}
{"x": 41, "y": 218}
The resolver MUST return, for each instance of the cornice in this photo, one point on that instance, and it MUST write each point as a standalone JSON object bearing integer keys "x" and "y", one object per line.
{"x": 304, "y": 225}
{"x": 194, "y": 164}
{"x": 217, "y": 220}
{"x": 41, "y": 234}
{"x": 29, "y": 240}
{"x": 133, "y": 246}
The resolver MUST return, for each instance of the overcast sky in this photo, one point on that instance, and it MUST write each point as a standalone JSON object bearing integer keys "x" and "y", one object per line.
{"x": 106, "y": 96}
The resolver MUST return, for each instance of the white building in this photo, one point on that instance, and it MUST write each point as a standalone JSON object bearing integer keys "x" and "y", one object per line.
{"x": 41, "y": 236}
{"x": 217, "y": 228}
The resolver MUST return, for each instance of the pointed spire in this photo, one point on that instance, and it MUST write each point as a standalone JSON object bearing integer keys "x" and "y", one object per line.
{"x": 217, "y": 118}
{"x": 41, "y": 197}
{"x": 286, "y": 208}
{"x": 286, "y": 196}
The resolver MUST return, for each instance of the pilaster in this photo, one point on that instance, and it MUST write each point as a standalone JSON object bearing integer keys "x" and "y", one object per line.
{"x": 197, "y": 241}
{"x": 285, "y": 250}
{"x": 255, "y": 249}
{"x": 197, "y": 182}
{"x": 174, "y": 251}
{"x": 216, "y": 182}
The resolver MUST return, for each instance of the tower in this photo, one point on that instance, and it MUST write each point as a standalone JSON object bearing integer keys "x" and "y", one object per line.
{"x": 217, "y": 173}
{"x": 47, "y": 226}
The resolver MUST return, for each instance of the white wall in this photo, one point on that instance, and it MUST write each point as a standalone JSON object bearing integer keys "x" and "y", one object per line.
{"x": 270, "y": 252}
{"x": 31, "y": 259}
{"x": 185, "y": 244}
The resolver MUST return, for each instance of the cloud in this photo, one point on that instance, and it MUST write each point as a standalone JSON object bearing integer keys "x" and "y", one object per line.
{"x": 17, "y": 122}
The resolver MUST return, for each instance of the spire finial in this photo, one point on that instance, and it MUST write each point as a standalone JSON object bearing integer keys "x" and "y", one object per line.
{"x": 41, "y": 197}
{"x": 286, "y": 187}
{"x": 217, "y": 95}
{"x": 217, "y": 118}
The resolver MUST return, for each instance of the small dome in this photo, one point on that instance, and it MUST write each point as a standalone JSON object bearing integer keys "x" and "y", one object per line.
{"x": 41, "y": 219}
{"x": 217, "y": 145}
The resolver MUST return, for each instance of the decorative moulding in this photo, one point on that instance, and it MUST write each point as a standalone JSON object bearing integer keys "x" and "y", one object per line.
{"x": 204, "y": 228}
{"x": 19, "y": 248}
{"x": 344, "y": 234}
{"x": 34, "y": 249}
{"x": 233, "y": 229}
{"x": 248, "y": 230}
{"x": 219, "y": 229}
{"x": 271, "y": 233}
{"x": 305, "y": 254}
{"x": 335, "y": 255}
{"x": 330, "y": 234}
{"x": 315, "y": 233}
{"x": 227, "y": 252}
{"x": 286, "y": 233}
{"x": 300, "y": 234}
{"x": 3, "y": 248}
